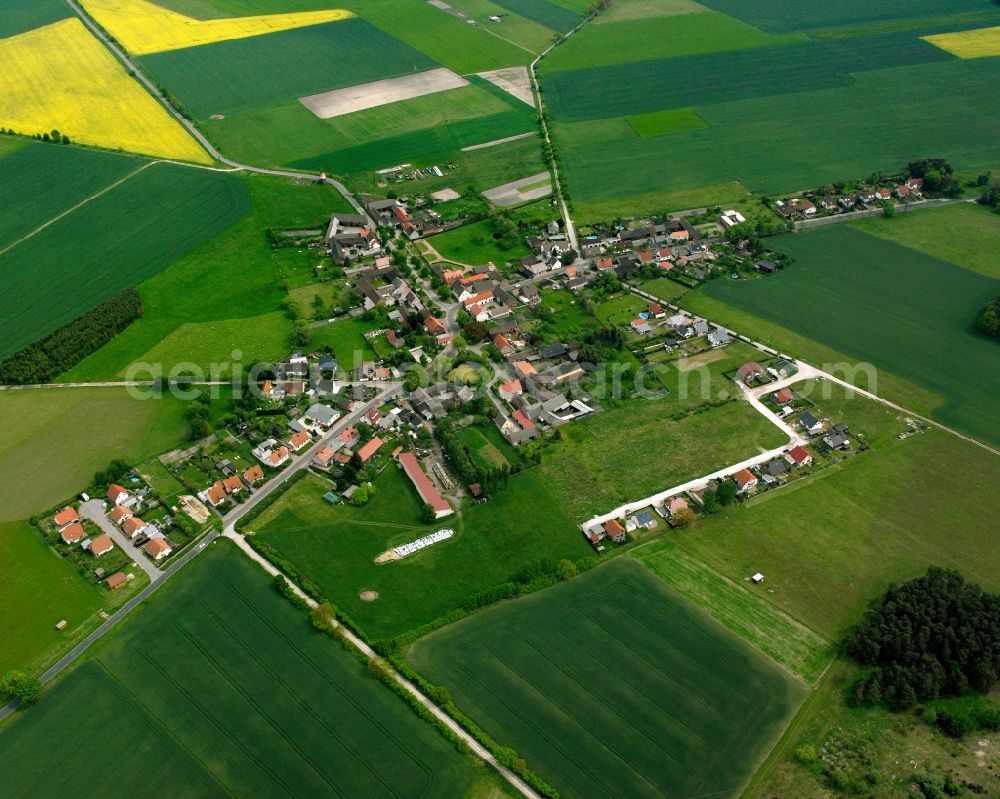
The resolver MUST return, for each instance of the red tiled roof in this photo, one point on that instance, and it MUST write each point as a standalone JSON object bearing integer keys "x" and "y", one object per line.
{"x": 523, "y": 420}
{"x": 116, "y": 580}
{"x": 233, "y": 484}
{"x": 324, "y": 456}
{"x": 368, "y": 450}
{"x": 101, "y": 544}
{"x": 299, "y": 440}
{"x": 432, "y": 323}
{"x": 254, "y": 474}
{"x": 501, "y": 341}
{"x": 524, "y": 368}
{"x": 428, "y": 493}
{"x": 119, "y": 514}
{"x": 799, "y": 454}
{"x": 347, "y": 434}
{"x": 65, "y": 516}
{"x": 510, "y": 387}
{"x": 278, "y": 456}
{"x": 116, "y": 492}
{"x": 783, "y": 396}
{"x": 612, "y": 527}
{"x": 73, "y": 532}
{"x": 157, "y": 547}
{"x": 132, "y": 525}
{"x": 744, "y": 477}
{"x": 216, "y": 493}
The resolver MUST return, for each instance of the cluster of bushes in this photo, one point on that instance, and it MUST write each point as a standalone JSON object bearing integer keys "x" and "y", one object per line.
{"x": 64, "y": 348}
{"x": 989, "y": 320}
{"x": 933, "y": 636}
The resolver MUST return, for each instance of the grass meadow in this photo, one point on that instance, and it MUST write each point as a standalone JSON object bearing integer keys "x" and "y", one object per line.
{"x": 37, "y": 590}
{"x": 336, "y": 547}
{"x": 222, "y": 689}
{"x": 544, "y": 12}
{"x": 59, "y": 437}
{"x": 114, "y": 241}
{"x": 615, "y": 686}
{"x": 925, "y": 334}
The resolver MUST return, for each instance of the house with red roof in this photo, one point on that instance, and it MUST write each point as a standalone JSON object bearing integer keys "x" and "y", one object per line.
{"x": 746, "y": 481}
{"x": 510, "y": 389}
{"x": 253, "y": 475}
{"x": 101, "y": 545}
{"x": 119, "y": 513}
{"x": 524, "y": 368}
{"x": 749, "y": 372}
{"x": 278, "y": 457}
{"x": 348, "y": 437}
{"x": 65, "y": 517}
{"x": 425, "y": 488}
{"x": 72, "y": 533}
{"x": 523, "y": 421}
{"x": 299, "y": 440}
{"x": 434, "y": 326}
{"x": 116, "y": 494}
{"x": 132, "y": 526}
{"x": 783, "y": 396}
{"x": 614, "y": 530}
{"x": 368, "y": 450}
{"x": 157, "y": 548}
{"x": 116, "y": 580}
{"x": 656, "y": 310}
{"x": 502, "y": 343}
{"x": 216, "y": 493}
{"x": 323, "y": 458}
{"x": 799, "y": 456}
{"x": 675, "y": 504}
{"x": 233, "y": 484}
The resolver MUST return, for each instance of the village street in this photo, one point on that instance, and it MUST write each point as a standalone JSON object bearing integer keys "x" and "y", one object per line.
{"x": 94, "y": 510}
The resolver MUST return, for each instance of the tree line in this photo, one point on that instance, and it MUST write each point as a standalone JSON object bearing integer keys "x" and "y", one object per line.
{"x": 933, "y": 636}
{"x": 64, "y": 348}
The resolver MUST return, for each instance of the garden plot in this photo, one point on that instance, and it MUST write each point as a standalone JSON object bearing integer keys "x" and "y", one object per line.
{"x": 521, "y": 191}
{"x": 381, "y": 92}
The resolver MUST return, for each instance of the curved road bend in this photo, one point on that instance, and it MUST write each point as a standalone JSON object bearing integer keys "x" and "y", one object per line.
{"x": 201, "y": 138}
{"x": 229, "y": 520}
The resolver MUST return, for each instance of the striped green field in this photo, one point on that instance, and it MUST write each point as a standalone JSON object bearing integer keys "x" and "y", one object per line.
{"x": 613, "y": 685}
{"x": 221, "y": 688}
{"x": 658, "y": 123}
{"x": 802, "y": 651}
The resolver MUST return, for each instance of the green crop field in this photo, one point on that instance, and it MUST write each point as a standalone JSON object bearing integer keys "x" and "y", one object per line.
{"x": 58, "y": 438}
{"x": 37, "y": 590}
{"x": 44, "y": 180}
{"x": 784, "y": 142}
{"x": 650, "y": 38}
{"x": 636, "y": 450}
{"x": 924, "y": 332}
{"x": 830, "y": 545}
{"x": 109, "y": 244}
{"x": 612, "y": 685}
{"x": 221, "y": 688}
{"x": 243, "y": 74}
{"x": 598, "y": 92}
{"x": 777, "y": 15}
{"x": 24, "y": 15}
{"x": 659, "y": 123}
{"x": 544, "y": 12}
{"x": 335, "y": 547}
{"x": 221, "y": 296}
{"x": 513, "y": 27}
{"x": 965, "y": 235}
{"x": 803, "y": 652}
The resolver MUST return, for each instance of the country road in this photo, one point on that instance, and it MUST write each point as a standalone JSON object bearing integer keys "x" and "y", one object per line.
{"x": 120, "y": 54}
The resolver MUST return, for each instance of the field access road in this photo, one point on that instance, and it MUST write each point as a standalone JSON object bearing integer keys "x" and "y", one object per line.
{"x": 190, "y": 126}
{"x": 94, "y": 510}
{"x": 902, "y": 208}
{"x": 229, "y": 520}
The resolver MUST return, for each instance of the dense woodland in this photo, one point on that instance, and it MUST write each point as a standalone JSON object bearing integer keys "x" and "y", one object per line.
{"x": 934, "y": 636}
{"x": 64, "y": 348}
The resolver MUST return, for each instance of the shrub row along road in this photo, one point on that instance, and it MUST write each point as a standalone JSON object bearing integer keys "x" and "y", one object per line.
{"x": 190, "y": 126}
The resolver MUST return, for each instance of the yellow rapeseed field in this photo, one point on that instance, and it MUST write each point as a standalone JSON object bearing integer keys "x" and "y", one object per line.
{"x": 61, "y": 77}
{"x": 144, "y": 27}
{"x": 969, "y": 44}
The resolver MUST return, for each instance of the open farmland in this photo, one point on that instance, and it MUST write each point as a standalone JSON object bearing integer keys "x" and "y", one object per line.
{"x": 828, "y": 546}
{"x": 43, "y": 181}
{"x": 248, "y": 74}
{"x": 37, "y": 589}
{"x": 158, "y": 214}
{"x": 787, "y": 641}
{"x": 776, "y": 15}
{"x": 143, "y": 27}
{"x": 110, "y": 422}
{"x": 221, "y": 688}
{"x": 924, "y": 334}
{"x": 24, "y": 15}
{"x": 612, "y": 685}
{"x": 544, "y": 12}
{"x": 61, "y": 77}
{"x": 224, "y": 294}
{"x": 335, "y": 547}
{"x": 980, "y": 43}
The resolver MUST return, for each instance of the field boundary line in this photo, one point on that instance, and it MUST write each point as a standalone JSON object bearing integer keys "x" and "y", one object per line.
{"x": 83, "y": 202}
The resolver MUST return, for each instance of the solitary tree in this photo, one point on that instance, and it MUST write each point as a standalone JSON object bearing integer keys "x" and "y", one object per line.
{"x": 684, "y": 518}
{"x": 25, "y": 687}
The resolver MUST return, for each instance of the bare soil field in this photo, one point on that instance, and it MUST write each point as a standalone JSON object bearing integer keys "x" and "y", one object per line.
{"x": 381, "y": 92}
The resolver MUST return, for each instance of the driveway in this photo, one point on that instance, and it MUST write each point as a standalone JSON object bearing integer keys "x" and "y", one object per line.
{"x": 94, "y": 510}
